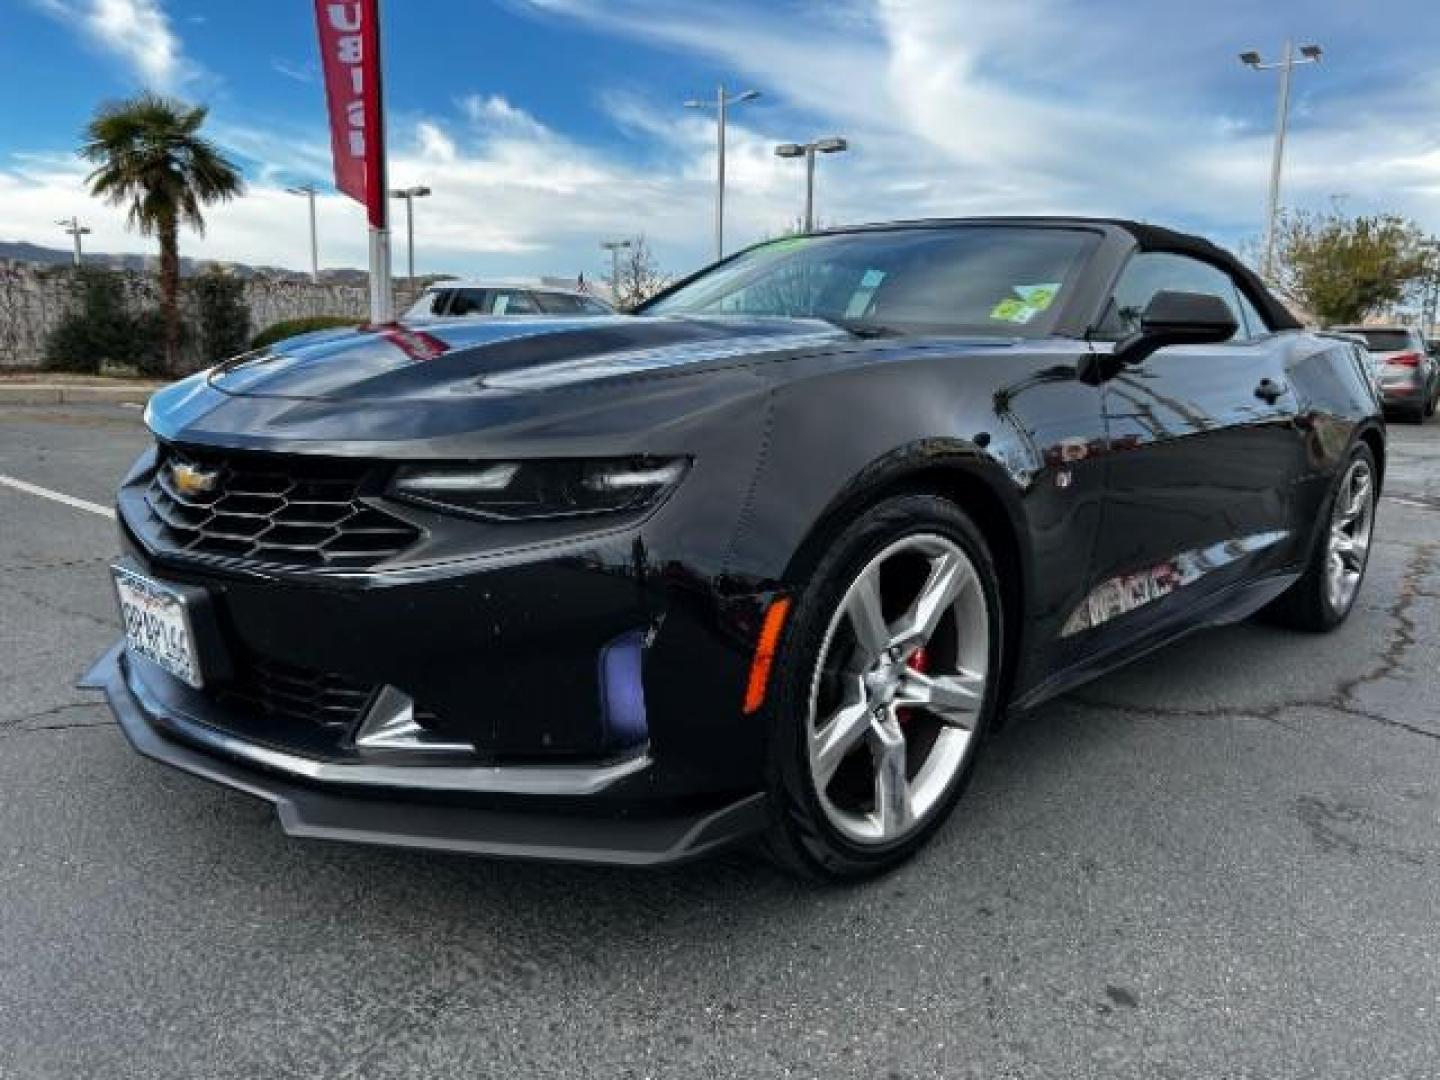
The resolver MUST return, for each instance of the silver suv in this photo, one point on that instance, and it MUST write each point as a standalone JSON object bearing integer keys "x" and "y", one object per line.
{"x": 1408, "y": 376}
{"x": 470, "y": 299}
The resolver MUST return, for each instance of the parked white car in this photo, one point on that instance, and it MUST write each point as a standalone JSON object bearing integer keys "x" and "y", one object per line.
{"x": 472, "y": 299}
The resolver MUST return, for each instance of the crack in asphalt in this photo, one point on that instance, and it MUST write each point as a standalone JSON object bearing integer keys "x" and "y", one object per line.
{"x": 1342, "y": 698}
{"x": 58, "y": 564}
{"x": 47, "y": 603}
{"x": 25, "y": 725}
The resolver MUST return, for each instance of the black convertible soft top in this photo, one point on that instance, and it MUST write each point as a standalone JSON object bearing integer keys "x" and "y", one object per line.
{"x": 1148, "y": 238}
{"x": 1159, "y": 238}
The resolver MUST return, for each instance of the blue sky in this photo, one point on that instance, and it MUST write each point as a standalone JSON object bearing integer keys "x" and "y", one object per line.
{"x": 547, "y": 125}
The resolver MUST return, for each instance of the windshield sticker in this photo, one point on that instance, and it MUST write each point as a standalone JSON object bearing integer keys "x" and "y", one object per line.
{"x": 872, "y": 279}
{"x": 1038, "y": 297}
{"x": 1012, "y": 310}
{"x": 1031, "y": 301}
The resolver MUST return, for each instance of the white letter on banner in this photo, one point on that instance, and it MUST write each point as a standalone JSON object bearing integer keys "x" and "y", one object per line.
{"x": 338, "y": 18}
{"x": 348, "y": 49}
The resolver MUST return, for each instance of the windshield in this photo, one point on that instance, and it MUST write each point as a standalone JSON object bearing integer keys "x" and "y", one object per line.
{"x": 1386, "y": 340}
{"x": 990, "y": 279}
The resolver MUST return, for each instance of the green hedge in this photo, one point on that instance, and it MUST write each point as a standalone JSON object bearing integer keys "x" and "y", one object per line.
{"x": 100, "y": 331}
{"x": 290, "y": 327}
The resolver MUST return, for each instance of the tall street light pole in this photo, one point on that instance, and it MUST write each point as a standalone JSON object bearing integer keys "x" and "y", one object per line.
{"x": 308, "y": 190}
{"x": 1309, "y": 54}
{"x": 1428, "y": 310}
{"x": 808, "y": 151}
{"x": 410, "y": 194}
{"x": 614, "y": 247}
{"x": 75, "y": 229}
{"x": 721, "y": 104}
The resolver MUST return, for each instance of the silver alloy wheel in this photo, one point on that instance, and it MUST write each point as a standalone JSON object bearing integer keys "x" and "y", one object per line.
{"x": 1351, "y": 523}
{"x": 898, "y": 688}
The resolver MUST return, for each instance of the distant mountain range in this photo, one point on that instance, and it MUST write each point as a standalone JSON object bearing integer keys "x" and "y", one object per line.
{"x": 34, "y": 253}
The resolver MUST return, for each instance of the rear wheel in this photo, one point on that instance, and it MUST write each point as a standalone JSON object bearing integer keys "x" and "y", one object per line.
{"x": 1325, "y": 593}
{"x": 886, "y": 686}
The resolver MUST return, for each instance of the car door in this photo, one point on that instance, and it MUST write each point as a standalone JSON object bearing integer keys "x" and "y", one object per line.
{"x": 1204, "y": 450}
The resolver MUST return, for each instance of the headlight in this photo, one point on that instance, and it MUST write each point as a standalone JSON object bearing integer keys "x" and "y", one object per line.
{"x": 535, "y": 490}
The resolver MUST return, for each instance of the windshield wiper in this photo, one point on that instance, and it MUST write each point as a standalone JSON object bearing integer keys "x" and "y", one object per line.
{"x": 860, "y": 328}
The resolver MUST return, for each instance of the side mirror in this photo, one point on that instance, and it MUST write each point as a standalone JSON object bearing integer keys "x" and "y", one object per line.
{"x": 1179, "y": 318}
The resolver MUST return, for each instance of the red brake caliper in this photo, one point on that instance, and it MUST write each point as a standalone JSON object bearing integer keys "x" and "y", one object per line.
{"x": 919, "y": 661}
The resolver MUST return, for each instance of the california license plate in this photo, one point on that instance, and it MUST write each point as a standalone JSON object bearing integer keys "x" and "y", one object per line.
{"x": 157, "y": 625}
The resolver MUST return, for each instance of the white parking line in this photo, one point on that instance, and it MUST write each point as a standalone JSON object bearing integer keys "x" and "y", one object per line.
{"x": 57, "y": 496}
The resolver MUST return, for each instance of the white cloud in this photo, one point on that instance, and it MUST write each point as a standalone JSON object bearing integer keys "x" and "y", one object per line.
{"x": 1034, "y": 106}
{"x": 951, "y": 107}
{"x": 137, "y": 31}
{"x": 494, "y": 111}
{"x": 301, "y": 73}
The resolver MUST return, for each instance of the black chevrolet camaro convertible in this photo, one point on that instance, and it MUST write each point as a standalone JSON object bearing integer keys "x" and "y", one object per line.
{"x": 768, "y": 559}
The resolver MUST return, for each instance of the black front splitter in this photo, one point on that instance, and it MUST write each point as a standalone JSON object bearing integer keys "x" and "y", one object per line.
{"x": 311, "y": 812}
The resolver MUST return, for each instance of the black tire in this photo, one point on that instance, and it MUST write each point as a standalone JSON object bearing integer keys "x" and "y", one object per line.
{"x": 1307, "y": 605}
{"x": 800, "y": 837}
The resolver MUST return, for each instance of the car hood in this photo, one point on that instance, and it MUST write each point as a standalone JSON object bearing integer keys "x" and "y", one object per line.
{"x": 426, "y": 359}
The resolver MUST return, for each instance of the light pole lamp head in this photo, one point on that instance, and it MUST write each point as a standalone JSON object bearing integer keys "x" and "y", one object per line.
{"x": 748, "y": 95}
{"x": 1250, "y": 58}
{"x": 1312, "y": 52}
{"x": 789, "y": 150}
{"x": 832, "y": 145}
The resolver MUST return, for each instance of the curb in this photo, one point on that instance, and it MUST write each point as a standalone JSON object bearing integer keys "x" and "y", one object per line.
{"x": 61, "y": 394}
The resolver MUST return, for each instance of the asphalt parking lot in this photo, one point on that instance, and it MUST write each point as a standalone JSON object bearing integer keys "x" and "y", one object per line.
{"x": 1222, "y": 862}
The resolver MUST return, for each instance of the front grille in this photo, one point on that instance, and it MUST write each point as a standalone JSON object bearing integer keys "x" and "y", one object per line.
{"x": 274, "y": 690}
{"x": 283, "y": 510}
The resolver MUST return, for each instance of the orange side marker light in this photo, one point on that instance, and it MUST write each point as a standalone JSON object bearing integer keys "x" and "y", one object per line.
{"x": 765, "y": 653}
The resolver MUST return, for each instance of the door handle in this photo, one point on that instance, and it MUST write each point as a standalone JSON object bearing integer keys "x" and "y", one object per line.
{"x": 1269, "y": 391}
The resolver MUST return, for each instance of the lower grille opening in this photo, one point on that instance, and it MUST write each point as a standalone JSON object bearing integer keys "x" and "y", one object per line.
{"x": 308, "y": 702}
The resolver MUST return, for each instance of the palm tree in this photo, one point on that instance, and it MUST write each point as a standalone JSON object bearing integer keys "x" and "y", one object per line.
{"x": 148, "y": 152}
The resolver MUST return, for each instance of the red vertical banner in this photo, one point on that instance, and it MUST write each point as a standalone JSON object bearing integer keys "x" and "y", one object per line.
{"x": 350, "y": 56}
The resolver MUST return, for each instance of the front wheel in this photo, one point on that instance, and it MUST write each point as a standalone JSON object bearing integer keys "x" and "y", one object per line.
{"x": 887, "y": 684}
{"x": 1323, "y": 596}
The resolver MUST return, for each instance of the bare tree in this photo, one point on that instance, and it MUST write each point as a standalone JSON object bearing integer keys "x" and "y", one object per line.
{"x": 639, "y": 278}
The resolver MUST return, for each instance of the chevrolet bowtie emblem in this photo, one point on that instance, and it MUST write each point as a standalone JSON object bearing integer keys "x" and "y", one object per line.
{"x": 192, "y": 481}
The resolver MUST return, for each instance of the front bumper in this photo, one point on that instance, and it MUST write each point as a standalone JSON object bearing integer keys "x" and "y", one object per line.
{"x": 313, "y": 800}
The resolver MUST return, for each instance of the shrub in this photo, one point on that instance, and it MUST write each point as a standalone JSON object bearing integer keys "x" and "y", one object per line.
{"x": 287, "y": 328}
{"x": 222, "y": 313}
{"x": 102, "y": 331}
